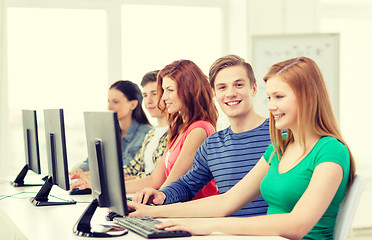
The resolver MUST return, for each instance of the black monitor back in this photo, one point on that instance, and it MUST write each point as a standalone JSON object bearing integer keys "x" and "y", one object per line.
{"x": 55, "y": 139}
{"x": 105, "y": 160}
{"x": 31, "y": 140}
{"x": 57, "y": 159}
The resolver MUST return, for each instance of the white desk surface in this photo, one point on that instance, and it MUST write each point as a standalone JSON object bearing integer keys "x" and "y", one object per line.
{"x": 21, "y": 220}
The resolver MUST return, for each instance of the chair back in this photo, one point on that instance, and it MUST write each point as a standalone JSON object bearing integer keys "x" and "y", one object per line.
{"x": 348, "y": 208}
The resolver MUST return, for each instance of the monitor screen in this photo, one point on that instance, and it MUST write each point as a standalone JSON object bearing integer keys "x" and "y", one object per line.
{"x": 31, "y": 146}
{"x": 106, "y": 168}
{"x": 56, "y": 158}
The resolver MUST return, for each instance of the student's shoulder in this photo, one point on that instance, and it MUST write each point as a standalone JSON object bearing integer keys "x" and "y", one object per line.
{"x": 207, "y": 126}
{"x": 330, "y": 149}
{"x": 200, "y": 123}
{"x": 221, "y": 134}
{"x": 144, "y": 128}
{"x": 264, "y": 126}
{"x": 330, "y": 144}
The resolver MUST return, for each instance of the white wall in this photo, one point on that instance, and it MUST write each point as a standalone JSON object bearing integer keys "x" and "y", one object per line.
{"x": 353, "y": 20}
{"x": 3, "y": 98}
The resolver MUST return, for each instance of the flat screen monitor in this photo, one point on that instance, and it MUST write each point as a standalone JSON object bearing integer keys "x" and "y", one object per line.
{"x": 56, "y": 158}
{"x": 31, "y": 146}
{"x": 106, "y": 169}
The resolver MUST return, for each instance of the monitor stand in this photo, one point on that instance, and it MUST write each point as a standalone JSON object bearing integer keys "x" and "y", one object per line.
{"x": 20, "y": 179}
{"x": 41, "y": 198}
{"x": 83, "y": 228}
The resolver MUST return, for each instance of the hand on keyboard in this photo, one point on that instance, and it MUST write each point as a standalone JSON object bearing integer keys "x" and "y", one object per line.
{"x": 145, "y": 226}
{"x": 140, "y": 210}
{"x": 149, "y": 196}
{"x": 111, "y": 215}
{"x": 195, "y": 226}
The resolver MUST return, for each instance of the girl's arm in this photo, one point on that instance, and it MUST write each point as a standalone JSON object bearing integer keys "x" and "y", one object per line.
{"x": 295, "y": 225}
{"x": 184, "y": 161}
{"x": 155, "y": 180}
{"x": 221, "y": 205}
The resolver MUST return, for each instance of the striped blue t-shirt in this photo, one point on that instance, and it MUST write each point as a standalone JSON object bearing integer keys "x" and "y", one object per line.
{"x": 227, "y": 157}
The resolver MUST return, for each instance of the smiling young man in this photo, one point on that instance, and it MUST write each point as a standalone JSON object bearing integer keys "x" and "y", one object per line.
{"x": 227, "y": 155}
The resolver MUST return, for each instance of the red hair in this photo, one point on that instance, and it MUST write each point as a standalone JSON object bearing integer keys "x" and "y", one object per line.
{"x": 195, "y": 92}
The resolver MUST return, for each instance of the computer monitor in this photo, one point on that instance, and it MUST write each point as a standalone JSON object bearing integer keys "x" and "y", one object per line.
{"x": 56, "y": 158}
{"x": 106, "y": 169}
{"x": 31, "y": 145}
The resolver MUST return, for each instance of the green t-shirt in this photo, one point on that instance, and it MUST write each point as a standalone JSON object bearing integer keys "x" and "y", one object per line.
{"x": 282, "y": 191}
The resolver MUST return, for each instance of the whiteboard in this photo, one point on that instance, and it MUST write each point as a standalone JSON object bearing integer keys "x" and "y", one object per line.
{"x": 323, "y": 48}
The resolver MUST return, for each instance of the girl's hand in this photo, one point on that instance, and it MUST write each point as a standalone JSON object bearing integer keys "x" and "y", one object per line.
{"x": 149, "y": 196}
{"x": 83, "y": 181}
{"x": 139, "y": 210}
{"x": 193, "y": 226}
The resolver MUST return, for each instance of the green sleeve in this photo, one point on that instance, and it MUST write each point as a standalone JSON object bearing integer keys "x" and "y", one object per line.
{"x": 333, "y": 150}
{"x": 269, "y": 151}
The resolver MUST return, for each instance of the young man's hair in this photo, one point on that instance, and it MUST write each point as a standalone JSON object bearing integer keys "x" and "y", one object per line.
{"x": 230, "y": 61}
{"x": 149, "y": 77}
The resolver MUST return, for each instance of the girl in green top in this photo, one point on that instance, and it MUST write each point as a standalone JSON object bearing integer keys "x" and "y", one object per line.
{"x": 303, "y": 175}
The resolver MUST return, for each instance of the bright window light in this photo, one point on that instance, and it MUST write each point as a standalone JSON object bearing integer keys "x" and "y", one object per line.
{"x": 57, "y": 58}
{"x": 154, "y": 36}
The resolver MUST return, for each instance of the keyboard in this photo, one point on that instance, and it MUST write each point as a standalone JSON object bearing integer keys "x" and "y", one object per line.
{"x": 144, "y": 226}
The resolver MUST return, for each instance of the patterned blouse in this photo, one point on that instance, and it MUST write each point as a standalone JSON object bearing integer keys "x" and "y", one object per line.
{"x": 136, "y": 166}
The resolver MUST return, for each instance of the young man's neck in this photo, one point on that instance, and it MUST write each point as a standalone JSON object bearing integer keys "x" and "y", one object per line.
{"x": 162, "y": 121}
{"x": 246, "y": 123}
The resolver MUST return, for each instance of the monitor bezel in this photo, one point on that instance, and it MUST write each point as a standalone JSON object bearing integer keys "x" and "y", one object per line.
{"x": 56, "y": 158}
{"x": 55, "y": 140}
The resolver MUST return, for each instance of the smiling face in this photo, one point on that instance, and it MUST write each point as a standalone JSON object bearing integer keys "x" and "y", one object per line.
{"x": 170, "y": 96}
{"x": 233, "y": 92}
{"x": 283, "y": 103}
{"x": 150, "y": 99}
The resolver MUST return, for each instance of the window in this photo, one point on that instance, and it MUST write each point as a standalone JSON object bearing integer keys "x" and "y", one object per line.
{"x": 57, "y": 58}
{"x": 64, "y": 54}
{"x": 154, "y": 36}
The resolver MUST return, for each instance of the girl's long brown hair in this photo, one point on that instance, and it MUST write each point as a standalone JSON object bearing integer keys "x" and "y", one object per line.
{"x": 304, "y": 77}
{"x": 195, "y": 92}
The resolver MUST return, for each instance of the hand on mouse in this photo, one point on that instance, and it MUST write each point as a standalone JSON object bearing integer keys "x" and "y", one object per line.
{"x": 83, "y": 181}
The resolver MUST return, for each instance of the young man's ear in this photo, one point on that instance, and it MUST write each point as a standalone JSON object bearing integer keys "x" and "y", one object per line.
{"x": 133, "y": 104}
{"x": 254, "y": 87}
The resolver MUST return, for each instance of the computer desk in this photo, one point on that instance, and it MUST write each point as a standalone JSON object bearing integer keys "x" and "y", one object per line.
{"x": 20, "y": 220}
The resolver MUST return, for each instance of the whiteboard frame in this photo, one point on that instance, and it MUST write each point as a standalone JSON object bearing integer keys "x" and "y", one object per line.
{"x": 323, "y": 48}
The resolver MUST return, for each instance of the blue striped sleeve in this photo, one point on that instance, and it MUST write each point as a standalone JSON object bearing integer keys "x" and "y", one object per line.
{"x": 185, "y": 188}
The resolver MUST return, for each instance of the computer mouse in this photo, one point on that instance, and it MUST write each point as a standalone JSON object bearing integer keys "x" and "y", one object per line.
{"x": 111, "y": 215}
{"x": 77, "y": 191}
